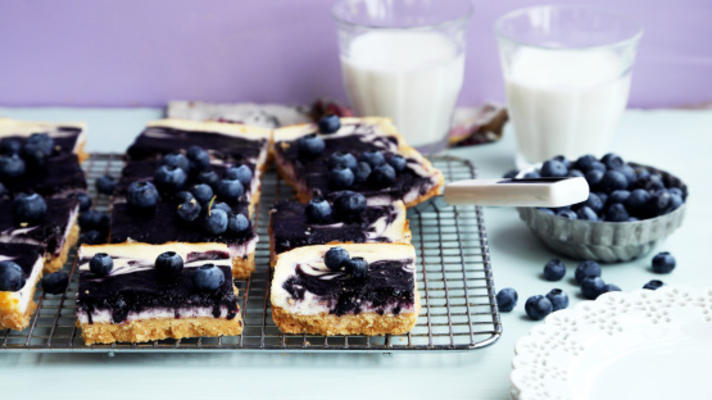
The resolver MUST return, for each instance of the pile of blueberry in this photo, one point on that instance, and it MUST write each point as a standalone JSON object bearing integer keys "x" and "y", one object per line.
{"x": 375, "y": 168}
{"x": 347, "y": 206}
{"x": 587, "y": 276}
{"x": 337, "y": 259}
{"x": 620, "y": 192}
{"x": 16, "y": 159}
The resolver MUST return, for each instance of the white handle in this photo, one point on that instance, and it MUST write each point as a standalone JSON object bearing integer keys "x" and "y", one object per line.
{"x": 542, "y": 192}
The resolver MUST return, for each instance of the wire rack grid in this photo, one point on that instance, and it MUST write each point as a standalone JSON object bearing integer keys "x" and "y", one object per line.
{"x": 453, "y": 272}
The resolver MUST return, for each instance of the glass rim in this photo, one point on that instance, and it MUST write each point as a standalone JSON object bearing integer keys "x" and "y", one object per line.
{"x": 461, "y": 19}
{"x": 631, "y": 39}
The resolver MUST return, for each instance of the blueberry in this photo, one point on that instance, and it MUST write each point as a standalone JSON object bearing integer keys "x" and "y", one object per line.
{"x": 562, "y": 159}
{"x": 575, "y": 173}
{"x": 101, "y": 264}
{"x": 209, "y": 178}
{"x": 216, "y": 222}
{"x": 55, "y": 283}
{"x": 675, "y": 191}
{"x": 208, "y": 277}
{"x": 199, "y": 158}
{"x": 553, "y": 169}
{"x": 603, "y": 197}
{"x": 357, "y": 267}
{"x": 663, "y": 263}
{"x": 637, "y": 201}
{"x": 11, "y": 166}
{"x": 142, "y": 195}
{"x": 659, "y": 202}
{"x": 242, "y": 173}
{"x": 610, "y": 287}
{"x": 329, "y": 123}
{"x": 336, "y": 258}
{"x": 373, "y": 158}
{"x": 10, "y": 146}
{"x": 169, "y": 265}
{"x": 558, "y": 298}
{"x": 617, "y": 212}
{"x": 554, "y": 270}
{"x": 34, "y": 158}
{"x": 507, "y": 299}
{"x": 170, "y": 178}
{"x": 398, "y": 162}
{"x": 629, "y": 173}
{"x": 222, "y": 206}
{"x": 318, "y": 210}
{"x": 30, "y": 208}
{"x": 642, "y": 172}
{"x": 342, "y": 160}
{"x": 348, "y": 204}
{"x": 230, "y": 189}
{"x": 538, "y": 307}
{"x": 511, "y": 174}
{"x": 566, "y": 213}
{"x": 594, "y": 177}
{"x": 189, "y": 211}
{"x": 547, "y": 210}
{"x": 613, "y": 180}
{"x": 238, "y": 223}
{"x": 91, "y": 237}
{"x": 106, "y": 184}
{"x": 3, "y": 191}
{"x": 653, "y": 284}
{"x": 184, "y": 196}
{"x": 598, "y": 166}
{"x": 12, "y": 278}
{"x": 362, "y": 171}
{"x": 619, "y": 196}
{"x": 612, "y": 160}
{"x": 632, "y": 219}
{"x": 202, "y": 192}
{"x": 84, "y": 201}
{"x": 383, "y": 176}
{"x": 310, "y": 146}
{"x": 177, "y": 160}
{"x": 532, "y": 175}
{"x": 592, "y": 287}
{"x": 41, "y": 142}
{"x": 94, "y": 220}
{"x": 650, "y": 182}
{"x": 594, "y": 202}
{"x": 195, "y": 152}
{"x": 675, "y": 201}
{"x": 587, "y": 214}
{"x": 341, "y": 177}
{"x": 585, "y": 162}
{"x": 587, "y": 269}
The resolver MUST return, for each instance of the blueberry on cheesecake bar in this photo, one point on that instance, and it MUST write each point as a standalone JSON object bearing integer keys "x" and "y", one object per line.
{"x": 135, "y": 292}
{"x": 20, "y": 270}
{"x": 350, "y": 289}
{"x": 50, "y": 138}
{"x": 366, "y": 155}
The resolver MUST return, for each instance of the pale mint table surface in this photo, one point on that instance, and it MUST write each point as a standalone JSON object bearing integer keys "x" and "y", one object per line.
{"x": 679, "y": 141}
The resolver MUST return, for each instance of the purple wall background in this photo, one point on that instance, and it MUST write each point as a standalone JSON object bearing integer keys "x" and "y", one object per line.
{"x": 145, "y": 52}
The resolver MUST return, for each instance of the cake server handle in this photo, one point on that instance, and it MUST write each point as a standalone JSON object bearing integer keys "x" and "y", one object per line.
{"x": 540, "y": 192}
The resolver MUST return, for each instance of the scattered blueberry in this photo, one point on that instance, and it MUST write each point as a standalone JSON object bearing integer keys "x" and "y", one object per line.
{"x": 318, "y": 210}
{"x": 189, "y": 211}
{"x": 209, "y": 178}
{"x": 341, "y": 177}
{"x": 587, "y": 269}
{"x": 507, "y": 299}
{"x": 216, "y": 222}
{"x": 85, "y": 201}
{"x": 594, "y": 202}
{"x": 554, "y": 270}
{"x": 613, "y": 180}
{"x": 55, "y": 283}
{"x": 330, "y": 123}
{"x": 10, "y": 146}
{"x": 538, "y": 307}
{"x": 373, "y": 158}
{"x": 101, "y": 264}
{"x": 617, "y": 212}
{"x": 105, "y": 184}
{"x": 653, "y": 284}
{"x": 612, "y": 160}
{"x": 310, "y": 146}
{"x": 202, "y": 192}
{"x": 336, "y": 258}
{"x": 11, "y": 166}
{"x": 357, "y": 267}
{"x": 592, "y": 287}
{"x": 170, "y": 178}
{"x": 348, "y": 204}
{"x": 12, "y": 278}
{"x": 383, "y": 175}
{"x": 242, "y": 173}
{"x": 29, "y": 208}
{"x": 532, "y": 175}
{"x": 230, "y": 189}
{"x": 177, "y": 160}
{"x": 553, "y": 169}
{"x": 663, "y": 263}
{"x": 558, "y": 298}
{"x": 142, "y": 195}
{"x": 398, "y": 162}
{"x": 208, "y": 277}
{"x": 567, "y": 213}
{"x": 342, "y": 160}
{"x": 169, "y": 265}
{"x": 238, "y": 223}
{"x": 587, "y": 214}
{"x": 362, "y": 171}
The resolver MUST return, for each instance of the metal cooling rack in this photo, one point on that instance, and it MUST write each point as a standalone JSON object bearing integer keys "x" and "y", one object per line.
{"x": 454, "y": 280}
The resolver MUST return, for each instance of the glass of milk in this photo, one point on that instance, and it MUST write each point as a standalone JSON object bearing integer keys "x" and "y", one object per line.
{"x": 567, "y": 72}
{"x": 404, "y": 59}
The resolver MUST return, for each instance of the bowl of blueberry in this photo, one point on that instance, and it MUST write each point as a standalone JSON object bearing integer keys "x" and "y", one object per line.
{"x": 630, "y": 208}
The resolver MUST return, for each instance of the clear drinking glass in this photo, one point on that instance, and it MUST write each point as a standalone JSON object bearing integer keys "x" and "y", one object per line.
{"x": 567, "y": 72}
{"x": 404, "y": 59}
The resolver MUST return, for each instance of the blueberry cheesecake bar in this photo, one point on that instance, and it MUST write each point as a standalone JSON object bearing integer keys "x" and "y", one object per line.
{"x": 135, "y": 292}
{"x": 20, "y": 270}
{"x": 350, "y": 289}
{"x": 343, "y": 217}
{"x": 67, "y": 138}
{"x": 49, "y": 223}
{"x": 365, "y": 155}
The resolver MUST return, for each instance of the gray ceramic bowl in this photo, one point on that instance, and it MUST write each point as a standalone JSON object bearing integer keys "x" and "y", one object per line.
{"x": 607, "y": 242}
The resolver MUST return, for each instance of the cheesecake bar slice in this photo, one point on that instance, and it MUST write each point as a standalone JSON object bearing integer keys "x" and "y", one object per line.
{"x": 57, "y": 231}
{"x": 366, "y": 155}
{"x": 293, "y": 224}
{"x": 68, "y": 137}
{"x": 350, "y": 289}
{"x": 17, "y": 306}
{"x": 137, "y": 301}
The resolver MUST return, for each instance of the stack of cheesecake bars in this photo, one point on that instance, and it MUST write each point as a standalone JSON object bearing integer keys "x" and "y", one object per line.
{"x": 180, "y": 229}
